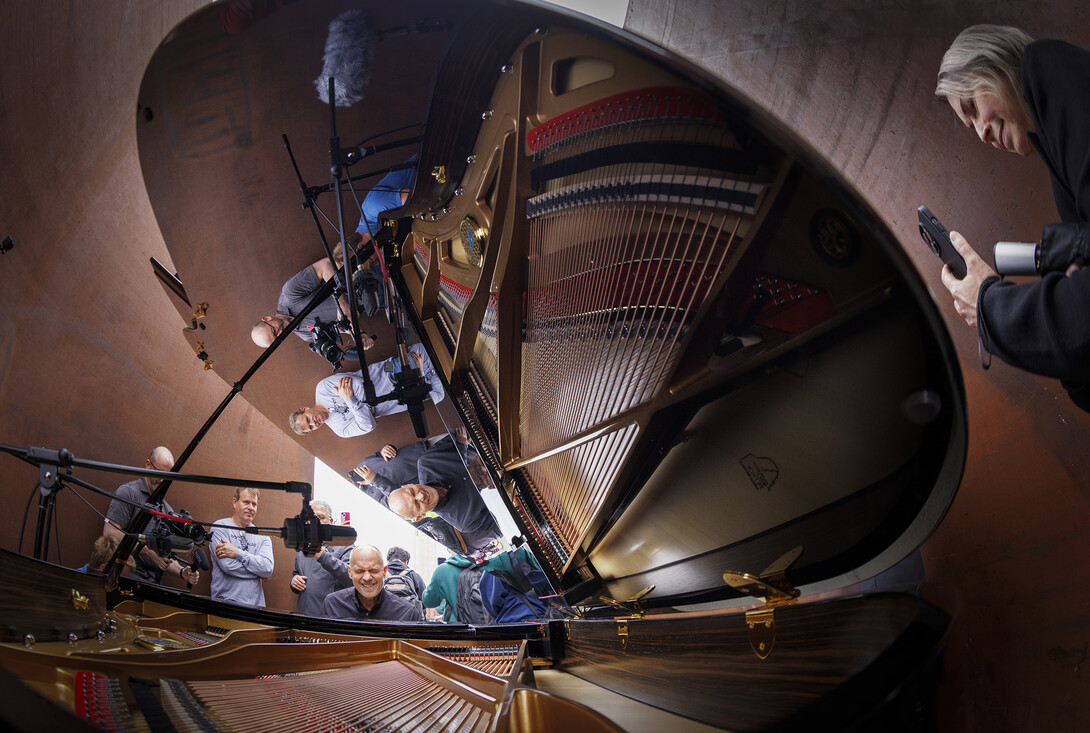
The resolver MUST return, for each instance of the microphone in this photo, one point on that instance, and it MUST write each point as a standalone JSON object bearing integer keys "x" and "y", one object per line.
{"x": 349, "y": 53}
{"x": 201, "y": 560}
{"x": 305, "y": 533}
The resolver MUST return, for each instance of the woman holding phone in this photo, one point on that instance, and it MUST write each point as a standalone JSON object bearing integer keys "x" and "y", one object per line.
{"x": 1024, "y": 96}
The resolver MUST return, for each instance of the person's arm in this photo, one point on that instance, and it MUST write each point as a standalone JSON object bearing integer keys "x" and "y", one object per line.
{"x": 360, "y": 419}
{"x": 432, "y": 595}
{"x": 298, "y": 582}
{"x": 421, "y": 361}
{"x": 334, "y": 565}
{"x": 242, "y": 563}
{"x": 1038, "y": 326}
{"x": 1032, "y": 325}
{"x": 323, "y": 268}
{"x": 377, "y": 480}
{"x": 112, "y": 528}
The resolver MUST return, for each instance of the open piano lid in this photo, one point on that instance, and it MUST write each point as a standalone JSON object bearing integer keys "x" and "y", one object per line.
{"x": 682, "y": 344}
{"x": 694, "y": 362}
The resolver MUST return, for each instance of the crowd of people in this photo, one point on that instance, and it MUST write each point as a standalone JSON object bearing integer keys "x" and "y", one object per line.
{"x": 426, "y": 483}
{"x": 357, "y": 582}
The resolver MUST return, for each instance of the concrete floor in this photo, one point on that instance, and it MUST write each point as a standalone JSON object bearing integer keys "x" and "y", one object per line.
{"x": 93, "y": 356}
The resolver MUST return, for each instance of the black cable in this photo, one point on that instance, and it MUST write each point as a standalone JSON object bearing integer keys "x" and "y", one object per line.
{"x": 26, "y": 513}
{"x": 56, "y": 532}
{"x": 389, "y": 132}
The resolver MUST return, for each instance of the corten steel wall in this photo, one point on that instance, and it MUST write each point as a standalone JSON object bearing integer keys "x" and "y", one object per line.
{"x": 855, "y": 81}
{"x": 92, "y": 354}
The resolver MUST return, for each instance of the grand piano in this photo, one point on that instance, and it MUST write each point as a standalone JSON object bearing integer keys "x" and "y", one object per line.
{"x": 699, "y": 372}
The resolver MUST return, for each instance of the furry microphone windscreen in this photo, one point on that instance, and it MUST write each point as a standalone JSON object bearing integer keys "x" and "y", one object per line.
{"x": 349, "y": 51}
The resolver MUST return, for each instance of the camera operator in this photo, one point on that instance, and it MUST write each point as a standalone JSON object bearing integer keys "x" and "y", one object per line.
{"x": 1023, "y": 96}
{"x": 150, "y": 565}
{"x": 340, "y": 401}
{"x": 294, "y": 296}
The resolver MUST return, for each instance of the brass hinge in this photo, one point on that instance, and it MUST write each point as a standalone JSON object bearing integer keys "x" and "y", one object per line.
{"x": 775, "y": 589}
{"x": 622, "y": 632}
{"x": 79, "y": 601}
{"x": 631, "y": 606}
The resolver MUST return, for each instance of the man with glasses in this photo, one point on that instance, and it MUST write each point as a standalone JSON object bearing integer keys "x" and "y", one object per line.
{"x": 314, "y": 578}
{"x": 240, "y": 561}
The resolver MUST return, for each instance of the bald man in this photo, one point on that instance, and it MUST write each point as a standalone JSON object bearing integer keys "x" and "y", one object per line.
{"x": 150, "y": 565}
{"x": 366, "y": 600}
{"x": 294, "y": 296}
{"x": 446, "y": 488}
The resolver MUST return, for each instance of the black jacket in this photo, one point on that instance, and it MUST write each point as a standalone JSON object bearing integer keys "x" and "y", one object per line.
{"x": 1044, "y": 326}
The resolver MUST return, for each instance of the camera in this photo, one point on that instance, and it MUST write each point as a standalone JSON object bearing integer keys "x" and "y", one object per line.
{"x": 327, "y": 342}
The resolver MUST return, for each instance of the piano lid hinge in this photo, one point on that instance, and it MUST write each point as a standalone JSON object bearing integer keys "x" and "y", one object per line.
{"x": 622, "y": 632}
{"x": 631, "y": 606}
{"x": 775, "y": 589}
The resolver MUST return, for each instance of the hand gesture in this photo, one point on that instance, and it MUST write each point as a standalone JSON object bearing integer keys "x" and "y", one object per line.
{"x": 366, "y": 341}
{"x": 367, "y": 474}
{"x": 226, "y": 549}
{"x": 966, "y": 290}
{"x": 418, "y": 360}
{"x": 344, "y": 389}
{"x": 190, "y": 575}
{"x": 299, "y": 583}
{"x": 388, "y": 452}
{"x": 162, "y": 562}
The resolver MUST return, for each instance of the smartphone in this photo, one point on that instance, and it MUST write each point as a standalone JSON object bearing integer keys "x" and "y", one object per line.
{"x": 354, "y": 476}
{"x": 938, "y": 241}
{"x": 346, "y": 519}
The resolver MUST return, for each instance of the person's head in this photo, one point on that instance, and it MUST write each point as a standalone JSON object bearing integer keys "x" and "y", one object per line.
{"x": 306, "y": 419}
{"x": 397, "y": 553}
{"x": 413, "y": 500}
{"x": 367, "y": 571}
{"x": 354, "y": 240}
{"x": 103, "y": 549}
{"x": 268, "y": 328}
{"x": 981, "y": 78}
{"x": 160, "y": 459}
{"x": 245, "y": 505}
{"x": 323, "y": 511}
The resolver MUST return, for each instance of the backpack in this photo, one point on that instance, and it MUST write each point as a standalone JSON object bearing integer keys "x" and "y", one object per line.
{"x": 533, "y": 588}
{"x": 401, "y": 585}
{"x": 468, "y": 606}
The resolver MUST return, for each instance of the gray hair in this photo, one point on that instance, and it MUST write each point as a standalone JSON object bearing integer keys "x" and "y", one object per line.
{"x": 293, "y": 421}
{"x": 983, "y": 58}
{"x": 324, "y": 505}
{"x": 240, "y": 489}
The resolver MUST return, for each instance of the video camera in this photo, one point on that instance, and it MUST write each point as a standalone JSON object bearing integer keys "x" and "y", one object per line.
{"x": 168, "y": 537}
{"x": 326, "y": 341}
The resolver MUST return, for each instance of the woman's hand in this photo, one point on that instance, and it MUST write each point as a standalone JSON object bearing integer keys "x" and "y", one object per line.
{"x": 966, "y": 290}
